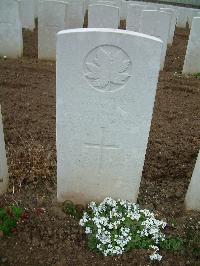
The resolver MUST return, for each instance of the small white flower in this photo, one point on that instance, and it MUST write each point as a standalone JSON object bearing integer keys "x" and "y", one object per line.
{"x": 110, "y": 226}
{"x": 155, "y": 256}
{"x": 88, "y": 230}
{"x": 112, "y": 215}
{"x": 81, "y": 222}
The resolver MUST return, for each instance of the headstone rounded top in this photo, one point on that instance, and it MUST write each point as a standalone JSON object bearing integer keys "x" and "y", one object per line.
{"x": 109, "y": 31}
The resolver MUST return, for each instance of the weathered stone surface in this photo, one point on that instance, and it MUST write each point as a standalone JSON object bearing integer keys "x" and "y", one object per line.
{"x": 103, "y": 16}
{"x": 11, "y": 42}
{"x": 75, "y": 15}
{"x": 116, "y": 3}
{"x": 191, "y": 14}
{"x": 51, "y": 19}
{"x": 192, "y": 58}
{"x": 151, "y": 7}
{"x": 192, "y": 199}
{"x": 102, "y": 131}
{"x": 102, "y": 2}
{"x": 27, "y": 14}
{"x": 182, "y": 17}
{"x": 3, "y": 161}
{"x": 36, "y": 8}
{"x": 124, "y": 9}
{"x": 172, "y": 23}
{"x": 134, "y": 17}
{"x": 156, "y": 23}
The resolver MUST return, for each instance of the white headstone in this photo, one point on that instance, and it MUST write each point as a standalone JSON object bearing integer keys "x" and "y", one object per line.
{"x": 134, "y": 17}
{"x": 116, "y": 3}
{"x": 189, "y": 16}
{"x": 27, "y": 14}
{"x": 36, "y": 8}
{"x": 156, "y": 23}
{"x": 151, "y": 7}
{"x": 103, "y": 16}
{"x": 102, "y": 131}
{"x": 51, "y": 19}
{"x": 193, "y": 13}
{"x": 102, "y": 2}
{"x": 86, "y": 3}
{"x": 182, "y": 17}
{"x": 11, "y": 42}
{"x": 148, "y": 6}
{"x": 172, "y": 23}
{"x": 124, "y": 9}
{"x": 3, "y": 161}
{"x": 192, "y": 58}
{"x": 75, "y": 14}
{"x": 192, "y": 199}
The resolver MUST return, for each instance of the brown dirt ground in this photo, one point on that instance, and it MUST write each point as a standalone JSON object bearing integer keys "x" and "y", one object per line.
{"x": 27, "y": 96}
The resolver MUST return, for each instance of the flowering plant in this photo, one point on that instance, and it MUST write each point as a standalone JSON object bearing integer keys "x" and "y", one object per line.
{"x": 114, "y": 227}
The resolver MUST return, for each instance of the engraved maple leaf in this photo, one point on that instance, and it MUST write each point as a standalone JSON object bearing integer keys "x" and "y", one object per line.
{"x": 107, "y": 68}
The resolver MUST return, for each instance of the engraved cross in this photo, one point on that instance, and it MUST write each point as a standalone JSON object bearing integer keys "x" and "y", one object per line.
{"x": 101, "y": 147}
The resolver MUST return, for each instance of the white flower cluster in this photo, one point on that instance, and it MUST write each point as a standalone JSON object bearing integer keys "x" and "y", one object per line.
{"x": 155, "y": 255}
{"x": 115, "y": 223}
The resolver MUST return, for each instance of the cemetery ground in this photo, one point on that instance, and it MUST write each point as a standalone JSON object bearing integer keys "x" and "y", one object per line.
{"x": 51, "y": 237}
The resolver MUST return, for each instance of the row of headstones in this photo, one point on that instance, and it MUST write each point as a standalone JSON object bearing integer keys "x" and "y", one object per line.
{"x": 54, "y": 16}
{"x": 161, "y": 24}
{"x": 105, "y": 92}
{"x": 28, "y": 11}
{"x": 184, "y": 15}
{"x": 104, "y": 14}
{"x": 18, "y": 14}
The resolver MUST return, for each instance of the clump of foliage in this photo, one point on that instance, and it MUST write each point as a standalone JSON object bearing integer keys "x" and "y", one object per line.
{"x": 113, "y": 227}
{"x": 71, "y": 209}
{"x": 192, "y": 238}
{"x": 172, "y": 244}
{"x": 9, "y": 217}
{"x": 197, "y": 75}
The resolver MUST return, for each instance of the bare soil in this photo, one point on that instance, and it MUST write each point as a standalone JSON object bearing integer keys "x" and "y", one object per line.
{"x": 50, "y": 237}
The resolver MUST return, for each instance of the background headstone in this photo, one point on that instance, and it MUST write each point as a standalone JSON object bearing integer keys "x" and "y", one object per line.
{"x": 192, "y": 199}
{"x": 192, "y": 57}
{"x": 134, "y": 17}
{"x": 156, "y": 23}
{"x": 3, "y": 161}
{"x": 51, "y": 19}
{"x": 75, "y": 14}
{"x": 27, "y": 14}
{"x": 103, "y": 16}
{"x": 124, "y": 9}
{"x": 172, "y": 23}
{"x": 36, "y": 8}
{"x": 193, "y": 13}
{"x": 182, "y": 17}
{"x": 11, "y": 42}
{"x": 102, "y": 131}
